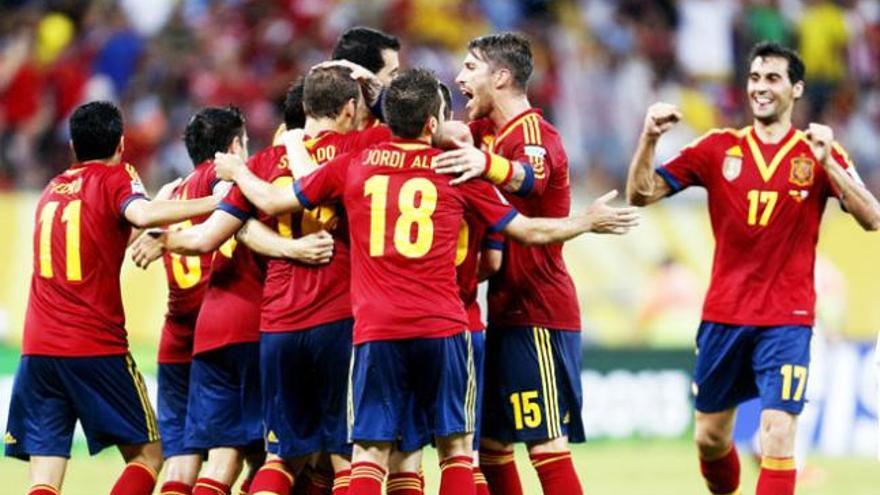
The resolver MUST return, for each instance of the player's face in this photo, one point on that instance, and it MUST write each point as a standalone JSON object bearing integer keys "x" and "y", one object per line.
{"x": 475, "y": 82}
{"x": 391, "y": 68}
{"x": 239, "y": 146}
{"x": 770, "y": 91}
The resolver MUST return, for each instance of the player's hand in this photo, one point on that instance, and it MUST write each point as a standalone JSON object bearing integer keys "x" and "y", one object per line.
{"x": 369, "y": 82}
{"x": 467, "y": 163}
{"x": 167, "y": 190}
{"x": 226, "y": 165}
{"x": 146, "y": 249}
{"x": 606, "y": 219}
{"x": 292, "y": 137}
{"x": 313, "y": 249}
{"x": 660, "y": 118}
{"x": 820, "y": 137}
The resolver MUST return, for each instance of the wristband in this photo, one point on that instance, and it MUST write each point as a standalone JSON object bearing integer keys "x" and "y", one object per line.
{"x": 528, "y": 182}
{"x": 499, "y": 170}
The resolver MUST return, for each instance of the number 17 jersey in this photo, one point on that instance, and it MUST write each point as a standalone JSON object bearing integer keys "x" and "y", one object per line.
{"x": 765, "y": 206}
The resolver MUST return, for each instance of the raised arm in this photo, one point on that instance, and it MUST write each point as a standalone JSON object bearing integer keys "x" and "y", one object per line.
{"x": 268, "y": 198}
{"x": 643, "y": 184}
{"x": 599, "y": 218}
{"x": 853, "y": 195}
{"x": 313, "y": 249}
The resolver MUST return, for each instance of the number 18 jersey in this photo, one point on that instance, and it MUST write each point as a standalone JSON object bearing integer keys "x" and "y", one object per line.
{"x": 404, "y": 221}
{"x": 765, "y": 205}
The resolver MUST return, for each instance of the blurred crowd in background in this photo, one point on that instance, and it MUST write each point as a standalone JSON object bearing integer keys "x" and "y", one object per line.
{"x": 598, "y": 65}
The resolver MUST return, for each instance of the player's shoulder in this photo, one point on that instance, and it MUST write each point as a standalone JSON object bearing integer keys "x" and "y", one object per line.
{"x": 268, "y": 160}
{"x": 529, "y": 129}
{"x": 721, "y": 137}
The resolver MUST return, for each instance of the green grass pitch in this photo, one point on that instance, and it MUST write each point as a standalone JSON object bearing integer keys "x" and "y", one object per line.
{"x": 667, "y": 467}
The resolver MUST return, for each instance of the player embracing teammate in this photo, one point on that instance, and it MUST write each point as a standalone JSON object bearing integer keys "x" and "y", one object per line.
{"x": 767, "y": 186}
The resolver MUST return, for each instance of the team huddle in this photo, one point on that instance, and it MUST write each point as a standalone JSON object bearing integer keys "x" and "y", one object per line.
{"x": 323, "y": 325}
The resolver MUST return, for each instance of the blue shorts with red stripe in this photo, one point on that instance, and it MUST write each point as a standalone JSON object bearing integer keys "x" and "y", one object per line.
{"x": 434, "y": 379}
{"x": 533, "y": 385}
{"x": 737, "y": 363}
{"x": 106, "y": 394}
{"x": 305, "y": 385}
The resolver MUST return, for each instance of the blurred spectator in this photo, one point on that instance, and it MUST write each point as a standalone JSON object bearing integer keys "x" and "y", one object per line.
{"x": 598, "y": 65}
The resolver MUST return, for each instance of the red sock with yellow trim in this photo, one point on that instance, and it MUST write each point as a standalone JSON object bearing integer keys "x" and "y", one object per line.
{"x": 404, "y": 484}
{"x": 722, "y": 474}
{"x": 175, "y": 488}
{"x": 207, "y": 486}
{"x": 778, "y": 476}
{"x": 457, "y": 476}
{"x": 480, "y": 482}
{"x": 272, "y": 478}
{"x": 557, "y": 474}
{"x": 43, "y": 489}
{"x": 366, "y": 478}
{"x": 341, "y": 482}
{"x": 499, "y": 468}
{"x": 136, "y": 479}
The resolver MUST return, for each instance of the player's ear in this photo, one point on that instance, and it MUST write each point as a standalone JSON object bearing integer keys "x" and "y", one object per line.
{"x": 432, "y": 125}
{"x": 501, "y": 77}
{"x": 120, "y": 148}
{"x": 797, "y": 90}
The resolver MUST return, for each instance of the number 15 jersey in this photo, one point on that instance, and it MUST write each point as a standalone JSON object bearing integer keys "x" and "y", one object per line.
{"x": 765, "y": 205}
{"x": 404, "y": 221}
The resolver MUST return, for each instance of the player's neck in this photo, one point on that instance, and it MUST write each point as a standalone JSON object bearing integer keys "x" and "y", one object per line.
{"x": 772, "y": 132}
{"x": 314, "y": 127}
{"x": 507, "y": 107}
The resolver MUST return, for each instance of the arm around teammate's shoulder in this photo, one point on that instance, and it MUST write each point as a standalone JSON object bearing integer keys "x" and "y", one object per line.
{"x": 143, "y": 213}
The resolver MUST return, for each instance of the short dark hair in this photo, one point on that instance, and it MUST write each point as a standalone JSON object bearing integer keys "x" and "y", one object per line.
{"x": 447, "y": 100}
{"x": 796, "y": 67}
{"x": 410, "y": 100}
{"x": 511, "y": 51}
{"x": 327, "y": 90}
{"x": 294, "y": 113}
{"x": 211, "y": 131}
{"x": 363, "y": 46}
{"x": 95, "y": 129}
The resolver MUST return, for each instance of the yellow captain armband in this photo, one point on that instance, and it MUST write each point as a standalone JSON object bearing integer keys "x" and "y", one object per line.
{"x": 499, "y": 170}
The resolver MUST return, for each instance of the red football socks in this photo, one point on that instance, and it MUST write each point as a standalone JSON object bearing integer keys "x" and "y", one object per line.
{"x": 272, "y": 478}
{"x": 245, "y": 487}
{"x": 175, "y": 488}
{"x": 499, "y": 468}
{"x": 457, "y": 476}
{"x": 207, "y": 486}
{"x": 366, "y": 479}
{"x": 136, "y": 479}
{"x": 43, "y": 490}
{"x": 480, "y": 482}
{"x": 778, "y": 476}
{"x": 722, "y": 474}
{"x": 404, "y": 484}
{"x": 341, "y": 482}
{"x": 557, "y": 474}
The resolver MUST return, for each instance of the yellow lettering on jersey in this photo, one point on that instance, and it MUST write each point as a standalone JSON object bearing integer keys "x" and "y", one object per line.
{"x": 461, "y": 249}
{"x": 421, "y": 161}
{"x": 68, "y": 187}
{"x": 767, "y": 171}
{"x": 324, "y": 153}
{"x": 385, "y": 158}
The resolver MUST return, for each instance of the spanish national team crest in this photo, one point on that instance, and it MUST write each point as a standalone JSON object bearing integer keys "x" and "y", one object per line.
{"x": 731, "y": 167}
{"x": 802, "y": 171}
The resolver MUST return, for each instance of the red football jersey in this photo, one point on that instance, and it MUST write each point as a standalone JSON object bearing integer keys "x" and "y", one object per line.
{"x": 187, "y": 276}
{"x": 80, "y": 237}
{"x": 472, "y": 239}
{"x": 297, "y": 296}
{"x": 230, "y": 312}
{"x": 533, "y": 287}
{"x": 765, "y": 206}
{"x": 404, "y": 222}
